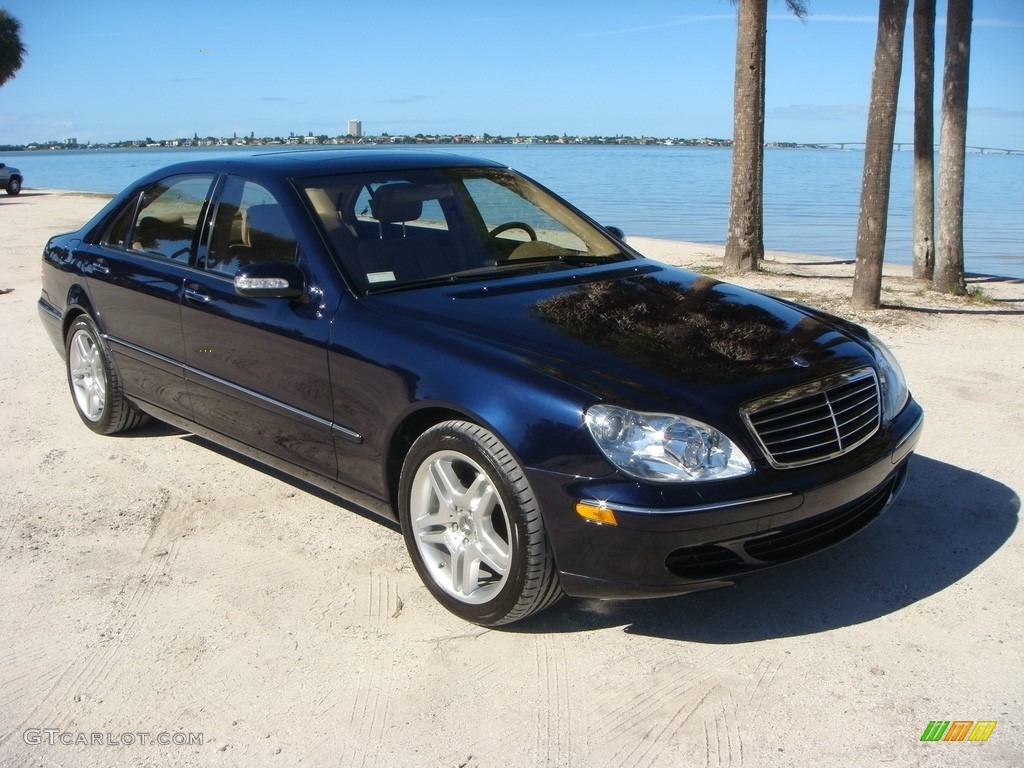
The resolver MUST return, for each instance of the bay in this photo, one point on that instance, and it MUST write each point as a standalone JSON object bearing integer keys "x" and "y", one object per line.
{"x": 675, "y": 192}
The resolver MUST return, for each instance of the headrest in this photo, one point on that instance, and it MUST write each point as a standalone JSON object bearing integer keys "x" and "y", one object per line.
{"x": 392, "y": 203}
{"x": 156, "y": 222}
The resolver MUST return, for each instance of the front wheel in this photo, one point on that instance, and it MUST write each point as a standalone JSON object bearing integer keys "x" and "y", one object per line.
{"x": 14, "y": 186}
{"x": 94, "y": 385}
{"x": 473, "y": 528}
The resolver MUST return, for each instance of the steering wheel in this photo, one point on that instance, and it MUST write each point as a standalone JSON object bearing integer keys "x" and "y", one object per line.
{"x": 511, "y": 225}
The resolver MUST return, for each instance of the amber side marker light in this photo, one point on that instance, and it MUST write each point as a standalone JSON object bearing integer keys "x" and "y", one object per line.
{"x": 595, "y": 513}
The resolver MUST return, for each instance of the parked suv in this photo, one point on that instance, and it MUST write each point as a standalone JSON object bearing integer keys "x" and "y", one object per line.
{"x": 10, "y": 179}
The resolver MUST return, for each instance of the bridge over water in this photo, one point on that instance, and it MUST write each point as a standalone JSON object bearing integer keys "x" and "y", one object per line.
{"x": 910, "y": 145}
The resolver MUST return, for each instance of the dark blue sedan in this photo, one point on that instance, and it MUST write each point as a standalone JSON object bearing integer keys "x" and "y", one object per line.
{"x": 443, "y": 341}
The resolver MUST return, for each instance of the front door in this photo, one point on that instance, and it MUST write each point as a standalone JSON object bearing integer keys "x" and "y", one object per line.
{"x": 257, "y": 368}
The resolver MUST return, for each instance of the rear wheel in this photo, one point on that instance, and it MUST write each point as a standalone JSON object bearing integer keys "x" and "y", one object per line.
{"x": 94, "y": 385}
{"x": 473, "y": 528}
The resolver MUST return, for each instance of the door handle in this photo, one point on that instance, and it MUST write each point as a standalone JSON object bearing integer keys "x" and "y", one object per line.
{"x": 99, "y": 267}
{"x": 197, "y": 295}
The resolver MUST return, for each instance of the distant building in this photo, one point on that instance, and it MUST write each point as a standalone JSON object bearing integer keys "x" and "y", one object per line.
{"x": 355, "y": 128}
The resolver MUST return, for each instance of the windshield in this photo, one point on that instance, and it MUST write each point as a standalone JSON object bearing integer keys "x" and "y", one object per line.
{"x": 398, "y": 229}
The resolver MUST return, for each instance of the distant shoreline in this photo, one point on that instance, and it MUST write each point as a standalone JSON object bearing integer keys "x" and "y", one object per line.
{"x": 442, "y": 140}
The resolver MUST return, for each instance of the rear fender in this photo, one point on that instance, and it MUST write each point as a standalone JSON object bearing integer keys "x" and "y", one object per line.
{"x": 78, "y": 302}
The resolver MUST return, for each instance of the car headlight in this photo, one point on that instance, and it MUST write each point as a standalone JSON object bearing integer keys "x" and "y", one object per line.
{"x": 664, "y": 448}
{"x": 894, "y": 385}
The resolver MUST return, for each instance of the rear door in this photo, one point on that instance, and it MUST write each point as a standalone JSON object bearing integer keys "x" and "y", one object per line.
{"x": 257, "y": 368}
{"x": 136, "y": 275}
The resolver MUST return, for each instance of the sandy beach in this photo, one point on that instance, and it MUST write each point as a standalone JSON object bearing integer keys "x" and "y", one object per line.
{"x": 165, "y": 603}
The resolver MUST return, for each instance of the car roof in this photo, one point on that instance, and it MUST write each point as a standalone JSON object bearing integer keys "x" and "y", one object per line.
{"x": 321, "y": 162}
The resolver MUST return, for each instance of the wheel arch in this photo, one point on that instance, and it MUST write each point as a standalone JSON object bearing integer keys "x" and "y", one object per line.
{"x": 418, "y": 421}
{"x": 405, "y": 434}
{"x": 78, "y": 303}
{"x": 537, "y": 428}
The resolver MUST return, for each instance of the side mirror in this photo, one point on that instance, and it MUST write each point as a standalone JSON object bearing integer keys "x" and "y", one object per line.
{"x": 271, "y": 280}
{"x": 617, "y": 233}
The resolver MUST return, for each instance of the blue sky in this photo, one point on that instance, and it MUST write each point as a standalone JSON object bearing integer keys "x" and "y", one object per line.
{"x": 122, "y": 70}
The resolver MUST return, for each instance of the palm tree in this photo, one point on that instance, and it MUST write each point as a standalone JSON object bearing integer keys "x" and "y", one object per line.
{"x": 924, "y": 138}
{"x": 744, "y": 243}
{"x": 949, "y": 251}
{"x": 874, "y": 194}
{"x": 12, "y": 52}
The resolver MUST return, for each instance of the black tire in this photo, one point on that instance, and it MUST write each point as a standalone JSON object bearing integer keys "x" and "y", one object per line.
{"x": 14, "y": 186}
{"x": 92, "y": 379}
{"x": 482, "y": 551}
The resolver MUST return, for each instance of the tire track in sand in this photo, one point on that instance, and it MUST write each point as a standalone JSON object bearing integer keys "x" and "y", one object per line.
{"x": 90, "y": 676}
{"x": 554, "y": 742}
{"x": 369, "y": 714}
{"x": 377, "y": 606}
{"x": 378, "y": 603}
{"x": 686, "y": 718}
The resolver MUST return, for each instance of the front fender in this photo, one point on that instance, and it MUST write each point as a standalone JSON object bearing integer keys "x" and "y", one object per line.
{"x": 390, "y": 383}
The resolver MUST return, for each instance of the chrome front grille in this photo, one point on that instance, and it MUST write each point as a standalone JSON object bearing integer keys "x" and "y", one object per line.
{"x": 817, "y": 421}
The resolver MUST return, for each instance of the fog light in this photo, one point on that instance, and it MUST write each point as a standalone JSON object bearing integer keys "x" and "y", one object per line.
{"x": 595, "y": 513}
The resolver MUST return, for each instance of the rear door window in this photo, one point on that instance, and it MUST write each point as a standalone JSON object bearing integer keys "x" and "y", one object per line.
{"x": 165, "y": 224}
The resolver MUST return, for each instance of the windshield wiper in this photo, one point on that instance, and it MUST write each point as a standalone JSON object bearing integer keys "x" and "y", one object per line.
{"x": 587, "y": 259}
{"x": 502, "y": 269}
{"x": 425, "y": 282}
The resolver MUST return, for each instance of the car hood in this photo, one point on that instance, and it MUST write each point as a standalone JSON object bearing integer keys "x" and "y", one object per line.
{"x": 645, "y": 335}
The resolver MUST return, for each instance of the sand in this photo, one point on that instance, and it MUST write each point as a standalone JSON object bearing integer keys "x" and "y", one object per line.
{"x": 155, "y": 589}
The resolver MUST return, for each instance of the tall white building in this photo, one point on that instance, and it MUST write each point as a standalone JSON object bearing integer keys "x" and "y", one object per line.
{"x": 355, "y": 128}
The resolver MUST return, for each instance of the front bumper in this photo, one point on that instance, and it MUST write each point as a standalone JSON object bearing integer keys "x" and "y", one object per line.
{"x": 669, "y": 549}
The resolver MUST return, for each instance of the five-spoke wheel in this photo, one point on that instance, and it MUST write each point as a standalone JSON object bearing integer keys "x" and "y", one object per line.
{"x": 460, "y": 526}
{"x": 86, "y": 374}
{"x": 94, "y": 385}
{"x": 473, "y": 527}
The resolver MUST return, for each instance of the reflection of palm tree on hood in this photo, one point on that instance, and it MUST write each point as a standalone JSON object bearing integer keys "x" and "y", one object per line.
{"x": 672, "y": 326}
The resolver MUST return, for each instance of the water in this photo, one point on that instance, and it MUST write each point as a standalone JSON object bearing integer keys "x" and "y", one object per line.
{"x": 810, "y": 205}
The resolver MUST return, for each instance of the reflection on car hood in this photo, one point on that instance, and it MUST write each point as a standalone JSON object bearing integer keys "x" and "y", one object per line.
{"x": 649, "y": 328}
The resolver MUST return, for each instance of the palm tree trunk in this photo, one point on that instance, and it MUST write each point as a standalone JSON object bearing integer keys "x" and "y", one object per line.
{"x": 874, "y": 194}
{"x": 924, "y": 138}
{"x": 744, "y": 243}
{"x": 949, "y": 250}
